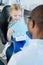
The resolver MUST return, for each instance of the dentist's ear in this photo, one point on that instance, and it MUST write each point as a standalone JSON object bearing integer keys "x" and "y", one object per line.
{"x": 31, "y": 25}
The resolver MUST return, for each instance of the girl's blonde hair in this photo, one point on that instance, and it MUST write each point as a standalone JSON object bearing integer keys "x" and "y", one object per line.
{"x": 15, "y": 7}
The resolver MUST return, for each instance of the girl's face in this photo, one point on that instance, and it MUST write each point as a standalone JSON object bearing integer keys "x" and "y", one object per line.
{"x": 15, "y": 14}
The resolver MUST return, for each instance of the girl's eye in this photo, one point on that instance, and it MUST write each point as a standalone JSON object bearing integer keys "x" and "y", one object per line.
{"x": 20, "y": 15}
{"x": 15, "y": 15}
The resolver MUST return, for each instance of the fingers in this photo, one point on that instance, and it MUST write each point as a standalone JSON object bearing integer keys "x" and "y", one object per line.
{"x": 10, "y": 31}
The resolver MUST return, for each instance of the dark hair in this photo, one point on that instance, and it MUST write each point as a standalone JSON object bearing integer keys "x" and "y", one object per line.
{"x": 37, "y": 16}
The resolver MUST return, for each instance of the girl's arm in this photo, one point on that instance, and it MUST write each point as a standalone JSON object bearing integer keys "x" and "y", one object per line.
{"x": 9, "y": 32}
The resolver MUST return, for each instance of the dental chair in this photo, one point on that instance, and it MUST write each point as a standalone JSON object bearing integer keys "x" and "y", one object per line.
{"x": 6, "y": 14}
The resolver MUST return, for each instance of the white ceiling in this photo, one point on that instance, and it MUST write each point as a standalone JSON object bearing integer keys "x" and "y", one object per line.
{"x": 26, "y": 4}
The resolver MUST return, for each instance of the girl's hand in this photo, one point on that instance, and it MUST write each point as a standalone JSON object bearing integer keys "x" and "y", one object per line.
{"x": 10, "y": 31}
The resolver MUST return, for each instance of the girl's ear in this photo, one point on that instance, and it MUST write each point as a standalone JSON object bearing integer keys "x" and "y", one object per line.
{"x": 9, "y": 19}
